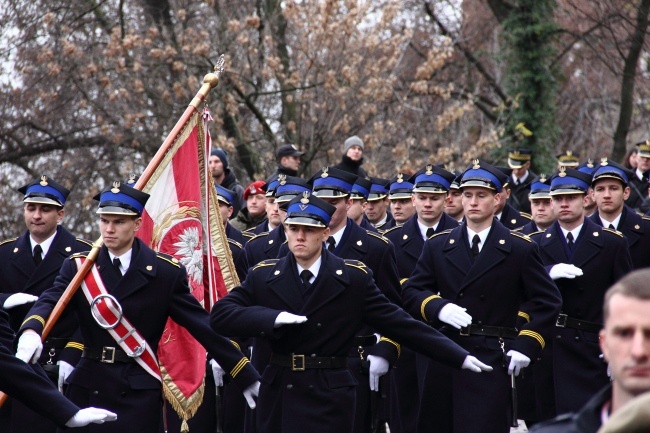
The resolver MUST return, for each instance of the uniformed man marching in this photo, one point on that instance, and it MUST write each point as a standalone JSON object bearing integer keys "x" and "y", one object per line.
{"x": 310, "y": 305}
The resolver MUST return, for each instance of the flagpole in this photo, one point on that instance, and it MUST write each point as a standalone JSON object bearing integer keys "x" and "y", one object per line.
{"x": 210, "y": 81}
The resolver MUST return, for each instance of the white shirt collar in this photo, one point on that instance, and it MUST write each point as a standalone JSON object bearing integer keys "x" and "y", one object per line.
{"x": 423, "y": 229}
{"x": 314, "y": 268}
{"x": 483, "y": 234}
{"x": 639, "y": 174}
{"x": 575, "y": 232}
{"x": 46, "y": 244}
{"x": 522, "y": 180}
{"x": 337, "y": 236}
{"x": 125, "y": 260}
{"x": 381, "y": 221}
{"x": 616, "y": 221}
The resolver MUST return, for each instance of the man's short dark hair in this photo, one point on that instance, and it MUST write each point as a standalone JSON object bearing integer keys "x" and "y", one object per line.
{"x": 633, "y": 285}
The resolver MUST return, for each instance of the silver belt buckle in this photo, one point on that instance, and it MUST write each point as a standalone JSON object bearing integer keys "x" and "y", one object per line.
{"x": 561, "y": 321}
{"x": 108, "y": 355}
{"x": 297, "y": 362}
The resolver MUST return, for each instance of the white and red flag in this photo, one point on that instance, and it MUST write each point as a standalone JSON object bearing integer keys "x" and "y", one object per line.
{"x": 181, "y": 218}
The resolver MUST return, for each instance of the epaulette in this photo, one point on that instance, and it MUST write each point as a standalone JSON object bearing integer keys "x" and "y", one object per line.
{"x": 80, "y": 254}
{"x": 643, "y": 217}
{"x": 356, "y": 264}
{"x": 619, "y": 234}
{"x": 249, "y": 235}
{"x": 234, "y": 242}
{"x": 526, "y": 215}
{"x": 258, "y": 236}
{"x": 169, "y": 259}
{"x": 376, "y": 235}
{"x": 392, "y": 228}
{"x": 267, "y": 262}
{"x": 518, "y": 229}
{"x": 83, "y": 241}
{"x": 7, "y": 241}
{"x": 444, "y": 232}
{"x": 536, "y": 233}
{"x": 521, "y": 236}
{"x": 249, "y": 230}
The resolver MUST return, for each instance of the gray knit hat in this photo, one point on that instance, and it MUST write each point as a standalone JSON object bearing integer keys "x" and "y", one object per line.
{"x": 352, "y": 141}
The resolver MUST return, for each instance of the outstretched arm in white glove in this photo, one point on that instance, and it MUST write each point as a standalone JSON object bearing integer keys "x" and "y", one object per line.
{"x": 251, "y": 393}
{"x": 285, "y": 318}
{"x": 378, "y": 367}
{"x": 65, "y": 370}
{"x": 29, "y": 346}
{"x": 217, "y": 372}
{"x": 18, "y": 299}
{"x": 472, "y": 364}
{"x": 564, "y": 270}
{"x": 90, "y": 415}
{"x": 518, "y": 361}
{"x": 455, "y": 316}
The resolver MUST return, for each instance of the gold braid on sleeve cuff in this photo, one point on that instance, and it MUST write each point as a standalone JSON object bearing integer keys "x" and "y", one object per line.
{"x": 523, "y": 315}
{"x": 239, "y": 367}
{"x": 534, "y": 335}
{"x": 424, "y": 304}
{"x": 396, "y": 344}
{"x": 37, "y": 318}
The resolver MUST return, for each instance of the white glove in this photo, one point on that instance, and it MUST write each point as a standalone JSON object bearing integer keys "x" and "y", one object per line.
{"x": 65, "y": 370}
{"x": 517, "y": 361}
{"x": 378, "y": 367}
{"x": 251, "y": 393}
{"x": 30, "y": 346}
{"x": 472, "y": 364}
{"x": 564, "y": 270}
{"x": 455, "y": 316}
{"x": 217, "y": 372}
{"x": 18, "y": 299}
{"x": 90, "y": 415}
{"x": 285, "y": 318}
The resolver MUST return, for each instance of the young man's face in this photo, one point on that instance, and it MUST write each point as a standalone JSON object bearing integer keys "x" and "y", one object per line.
{"x": 273, "y": 212}
{"x": 521, "y": 171}
{"x": 479, "y": 204}
{"x": 256, "y": 205}
{"x": 339, "y": 218}
{"x": 503, "y": 198}
{"x": 355, "y": 153}
{"x": 625, "y": 342}
{"x": 216, "y": 166}
{"x": 305, "y": 242}
{"x": 429, "y": 206}
{"x": 290, "y": 162}
{"x": 118, "y": 231}
{"x": 376, "y": 210}
{"x": 610, "y": 196}
{"x": 41, "y": 219}
{"x": 542, "y": 212}
{"x": 454, "y": 204}
{"x": 568, "y": 208}
{"x": 226, "y": 212}
{"x": 643, "y": 163}
{"x": 356, "y": 210}
{"x": 402, "y": 209}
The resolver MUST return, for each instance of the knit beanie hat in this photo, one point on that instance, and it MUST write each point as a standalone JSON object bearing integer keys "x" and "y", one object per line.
{"x": 352, "y": 141}
{"x": 222, "y": 155}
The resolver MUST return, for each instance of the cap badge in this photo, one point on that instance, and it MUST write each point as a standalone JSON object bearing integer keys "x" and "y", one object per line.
{"x": 569, "y": 153}
{"x": 590, "y": 163}
{"x": 131, "y": 179}
{"x": 305, "y": 197}
{"x": 515, "y": 153}
{"x": 542, "y": 177}
{"x": 429, "y": 170}
{"x": 400, "y": 177}
{"x": 562, "y": 171}
{"x": 282, "y": 179}
{"x": 603, "y": 161}
{"x": 324, "y": 174}
{"x": 253, "y": 190}
{"x": 116, "y": 187}
{"x": 450, "y": 167}
{"x": 43, "y": 180}
{"x": 476, "y": 165}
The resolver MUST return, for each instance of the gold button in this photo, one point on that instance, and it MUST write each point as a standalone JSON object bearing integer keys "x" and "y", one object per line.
{"x": 405, "y": 237}
{"x": 548, "y": 235}
{"x": 271, "y": 241}
{"x": 68, "y": 249}
{"x": 276, "y": 273}
{"x": 359, "y": 243}
{"x": 596, "y": 234}
{"x": 339, "y": 272}
{"x": 451, "y": 241}
{"x": 502, "y": 241}
{"x": 149, "y": 267}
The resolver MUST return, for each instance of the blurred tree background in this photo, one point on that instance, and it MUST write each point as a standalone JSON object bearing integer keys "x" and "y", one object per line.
{"x": 90, "y": 88}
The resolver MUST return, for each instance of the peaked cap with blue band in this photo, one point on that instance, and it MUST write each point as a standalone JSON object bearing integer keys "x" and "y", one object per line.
{"x": 289, "y": 187}
{"x": 332, "y": 183}
{"x": 225, "y": 195}
{"x": 569, "y": 181}
{"x": 508, "y": 172}
{"x": 539, "y": 188}
{"x": 483, "y": 175}
{"x": 308, "y": 210}
{"x": 400, "y": 187}
{"x": 44, "y": 191}
{"x": 588, "y": 167}
{"x": 271, "y": 184}
{"x": 432, "y": 179}
{"x": 360, "y": 189}
{"x": 612, "y": 170}
{"x": 379, "y": 189}
{"x": 121, "y": 199}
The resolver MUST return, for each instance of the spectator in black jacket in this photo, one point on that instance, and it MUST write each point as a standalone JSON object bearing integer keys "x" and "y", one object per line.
{"x": 223, "y": 176}
{"x": 352, "y": 157}
{"x": 288, "y": 157}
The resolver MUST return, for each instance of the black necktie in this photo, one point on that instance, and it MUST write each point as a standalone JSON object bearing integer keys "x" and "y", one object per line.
{"x": 429, "y": 232}
{"x": 475, "y": 241}
{"x": 611, "y": 226}
{"x": 305, "y": 276}
{"x": 38, "y": 254}
{"x": 116, "y": 264}
{"x": 569, "y": 241}
{"x": 331, "y": 244}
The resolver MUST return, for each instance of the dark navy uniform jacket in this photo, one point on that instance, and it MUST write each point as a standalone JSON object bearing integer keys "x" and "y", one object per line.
{"x": 506, "y": 274}
{"x": 341, "y": 300}
{"x": 388, "y": 224}
{"x": 529, "y": 228}
{"x": 636, "y": 230}
{"x": 519, "y": 193}
{"x": 512, "y": 218}
{"x": 365, "y": 224}
{"x": 587, "y": 420}
{"x": 265, "y": 246}
{"x": 154, "y": 288}
{"x": 571, "y": 371}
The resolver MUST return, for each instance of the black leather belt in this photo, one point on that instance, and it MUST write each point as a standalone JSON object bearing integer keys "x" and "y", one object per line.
{"x": 107, "y": 355}
{"x": 488, "y": 331}
{"x": 364, "y": 340}
{"x": 305, "y": 362}
{"x": 55, "y": 343}
{"x": 564, "y": 321}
